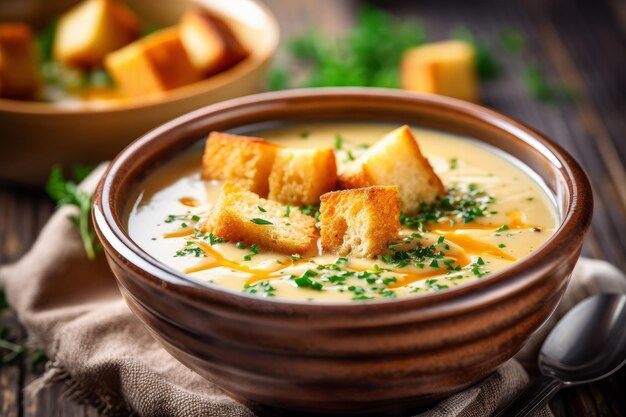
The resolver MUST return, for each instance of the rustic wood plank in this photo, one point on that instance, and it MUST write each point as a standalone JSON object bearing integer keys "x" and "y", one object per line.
{"x": 10, "y": 375}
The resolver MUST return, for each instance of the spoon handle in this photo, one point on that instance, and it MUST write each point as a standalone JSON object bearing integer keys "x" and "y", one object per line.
{"x": 536, "y": 395}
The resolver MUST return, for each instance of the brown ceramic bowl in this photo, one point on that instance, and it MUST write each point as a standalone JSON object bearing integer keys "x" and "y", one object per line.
{"x": 376, "y": 357}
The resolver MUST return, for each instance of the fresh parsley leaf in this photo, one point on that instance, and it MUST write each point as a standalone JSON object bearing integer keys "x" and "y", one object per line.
{"x": 258, "y": 220}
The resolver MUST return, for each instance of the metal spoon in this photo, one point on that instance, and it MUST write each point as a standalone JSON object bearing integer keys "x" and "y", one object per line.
{"x": 587, "y": 344}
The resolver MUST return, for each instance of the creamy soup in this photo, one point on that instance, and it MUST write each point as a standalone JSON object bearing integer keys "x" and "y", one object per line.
{"x": 495, "y": 213}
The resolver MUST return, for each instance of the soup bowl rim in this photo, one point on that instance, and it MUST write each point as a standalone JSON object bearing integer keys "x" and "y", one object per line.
{"x": 575, "y": 219}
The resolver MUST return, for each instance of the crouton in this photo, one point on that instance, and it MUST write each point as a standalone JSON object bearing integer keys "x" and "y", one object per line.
{"x": 300, "y": 176}
{"x": 395, "y": 160}
{"x": 19, "y": 78}
{"x": 92, "y": 29}
{"x": 447, "y": 68}
{"x": 360, "y": 222}
{"x": 245, "y": 160}
{"x": 209, "y": 42}
{"x": 240, "y": 215}
{"x": 152, "y": 64}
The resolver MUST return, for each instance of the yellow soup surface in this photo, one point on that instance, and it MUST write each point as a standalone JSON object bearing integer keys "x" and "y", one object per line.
{"x": 495, "y": 214}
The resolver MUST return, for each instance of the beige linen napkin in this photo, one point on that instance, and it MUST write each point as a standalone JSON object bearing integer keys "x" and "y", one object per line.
{"x": 73, "y": 309}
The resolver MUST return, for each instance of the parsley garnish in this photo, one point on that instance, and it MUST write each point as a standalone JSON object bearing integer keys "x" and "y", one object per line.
{"x": 265, "y": 286}
{"x": 338, "y": 141}
{"x": 457, "y": 205}
{"x": 304, "y": 281}
{"x": 311, "y": 210}
{"x": 191, "y": 251}
{"x": 210, "y": 237}
{"x": 257, "y": 220}
{"x": 254, "y": 250}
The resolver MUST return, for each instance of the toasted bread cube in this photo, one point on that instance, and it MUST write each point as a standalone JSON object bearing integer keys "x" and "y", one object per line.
{"x": 300, "y": 176}
{"x": 152, "y": 64}
{"x": 19, "y": 78}
{"x": 92, "y": 29}
{"x": 395, "y": 160}
{"x": 447, "y": 68}
{"x": 240, "y": 215}
{"x": 360, "y": 222}
{"x": 245, "y": 160}
{"x": 211, "y": 44}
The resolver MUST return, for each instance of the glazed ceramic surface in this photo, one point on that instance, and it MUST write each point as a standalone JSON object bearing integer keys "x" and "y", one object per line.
{"x": 36, "y": 135}
{"x": 375, "y": 357}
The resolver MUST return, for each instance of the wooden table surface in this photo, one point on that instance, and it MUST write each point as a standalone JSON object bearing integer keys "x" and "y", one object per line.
{"x": 580, "y": 43}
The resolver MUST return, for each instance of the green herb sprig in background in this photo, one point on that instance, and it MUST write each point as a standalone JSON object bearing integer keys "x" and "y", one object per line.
{"x": 66, "y": 192}
{"x": 367, "y": 56}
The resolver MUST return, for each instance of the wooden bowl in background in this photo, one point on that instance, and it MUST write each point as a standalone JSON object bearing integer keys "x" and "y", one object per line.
{"x": 383, "y": 357}
{"x": 36, "y": 135}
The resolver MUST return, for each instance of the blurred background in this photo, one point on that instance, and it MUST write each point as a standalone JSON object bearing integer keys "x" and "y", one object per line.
{"x": 557, "y": 65}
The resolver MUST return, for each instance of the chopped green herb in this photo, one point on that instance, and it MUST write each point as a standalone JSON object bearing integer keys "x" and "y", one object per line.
{"x": 261, "y": 209}
{"x": 457, "y": 205}
{"x": 502, "y": 228}
{"x": 304, "y": 135}
{"x": 191, "y": 251}
{"x": 417, "y": 255}
{"x": 454, "y": 163}
{"x": 213, "y": 239}
{"x": 265, "y": 286}
{"x": 257, "y": 220}
{"x": 305, "y": 281}
{"x": 338, "y": 141}
{"x": 311, "y": 210}
{"x": 240, "y": 245}
{"x": 254, "y": 250}
{"x": 287, "y": 211}
{"x": 502, "y": 245}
